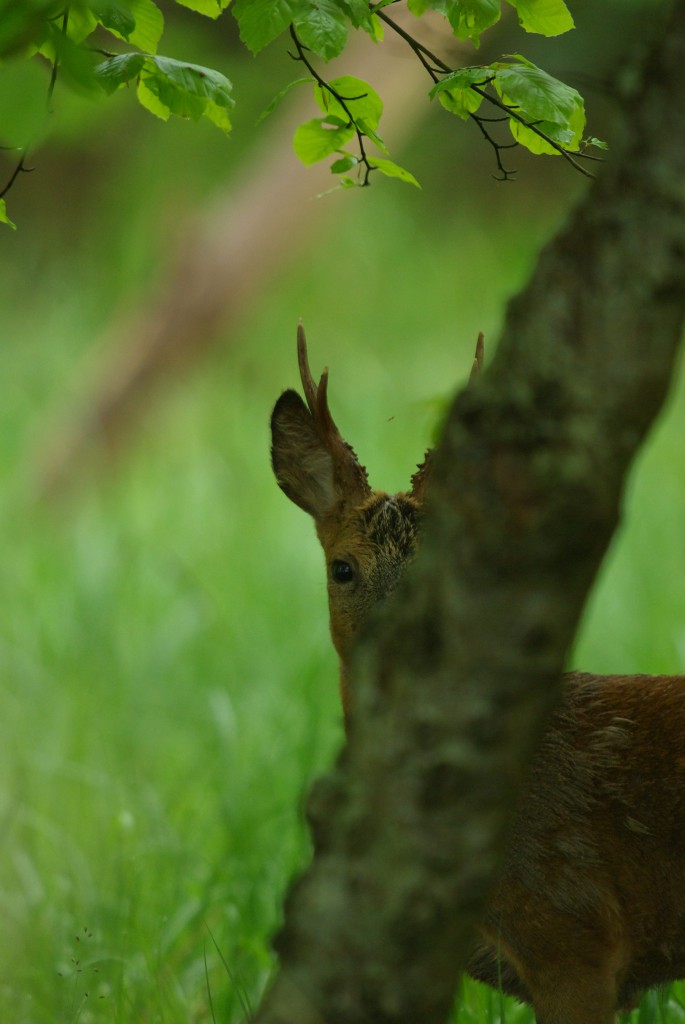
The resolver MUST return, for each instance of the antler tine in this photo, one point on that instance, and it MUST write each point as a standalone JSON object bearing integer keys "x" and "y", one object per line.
{"x": 349, "y": 472}
{"x": 317, "y": 396}
{"x": 478, "y": 358}
{"x": 308, "y": 385}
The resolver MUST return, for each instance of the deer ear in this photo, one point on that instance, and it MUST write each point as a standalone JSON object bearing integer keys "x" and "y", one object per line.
{"x": 313, "y": 463}
{"x": 302, "y": 463}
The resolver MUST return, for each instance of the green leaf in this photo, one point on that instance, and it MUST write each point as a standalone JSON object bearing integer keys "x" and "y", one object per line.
{"x": 149, "y": 25}
{"x": 534, "y": 90}
{"x": 347, "y": 162}
{"x": 76, "y": 63}
{"x": 185, "y": 104}
{"x": 117, "y": 19}
{"x": 393, "y": 170}
{"x": 540, "y": 97}
{"x": 139, "y": 22}
{"x": 280, "y": 96}
{"x": 361, "y": 16}
{"x": 461, "y": 102}
{"x": 211, "y": 8}
{"x": 598, "y": 143}
{"x": 189, "y": 90}
{"x": 148, "y": 99}
{"x": 323, "y": 28}
{"x": 359, "y": 13}
{"x": 469, "y": 18}
{"x": 377, "y": 29}
{"x": 217, "y": 114}
{"x": 23, "y": 25}
{"x": 116, "y": 71}
{"x": 464, "y": 78}
{"x": 533, "y": 142}
{"x": 342, "y": 183}
{"x": 81, "y": 23}
{"x": 362, "y": 101}
{"x": 371, "y": 134}
{"x": 261, "y": 21}
{"x": 4, "y": 219}
{"x": 186, "y": 90}
{"x": 313, "y": 141}
{"x": 546, "y": 17}
{"x": 455, "y": 93}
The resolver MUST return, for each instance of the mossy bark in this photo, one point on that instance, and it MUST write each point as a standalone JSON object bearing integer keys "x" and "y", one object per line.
{"x": 456, "y": 682}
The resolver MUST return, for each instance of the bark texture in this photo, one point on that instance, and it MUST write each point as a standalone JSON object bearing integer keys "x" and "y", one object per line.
{"x": 457, "y": 680}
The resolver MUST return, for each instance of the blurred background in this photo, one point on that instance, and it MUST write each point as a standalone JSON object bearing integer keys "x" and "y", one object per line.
{"x": 168, "y": 688}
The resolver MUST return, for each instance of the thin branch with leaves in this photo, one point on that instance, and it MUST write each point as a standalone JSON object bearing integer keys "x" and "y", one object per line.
{"x": 435, "y": 66}
{"x": 21, "y": 167}
{"x": 543, "y": 114}
{"x": 343, "y": 101}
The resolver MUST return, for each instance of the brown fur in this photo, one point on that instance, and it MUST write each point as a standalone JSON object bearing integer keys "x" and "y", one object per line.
{"x": 589, "y": 906}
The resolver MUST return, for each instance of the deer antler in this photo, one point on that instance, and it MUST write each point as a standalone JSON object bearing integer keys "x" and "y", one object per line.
{"x": 317, "y": 396}
{"x": 347, "y": 465}
{"x": 420, "y": 477}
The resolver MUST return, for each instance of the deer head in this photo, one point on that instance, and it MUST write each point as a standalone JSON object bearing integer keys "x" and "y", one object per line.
{"x": 367, "y": 536}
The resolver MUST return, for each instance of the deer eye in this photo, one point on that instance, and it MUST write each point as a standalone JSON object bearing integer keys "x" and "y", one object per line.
{"x": 341, "y": 572}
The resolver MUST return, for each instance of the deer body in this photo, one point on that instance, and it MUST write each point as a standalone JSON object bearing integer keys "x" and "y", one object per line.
{"x": 588, "y": 909}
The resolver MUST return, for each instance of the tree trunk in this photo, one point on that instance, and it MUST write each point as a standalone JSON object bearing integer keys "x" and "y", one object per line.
{"x": 458, "y": 679}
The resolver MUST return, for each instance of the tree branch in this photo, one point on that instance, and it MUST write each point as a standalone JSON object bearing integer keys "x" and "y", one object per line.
{"x": 455, "y": 686}
{"x": 510, "y": 112}
{"x": 21, "y": 167}
{"x": 425, "y": 56}
{"x": 342, "y": 100}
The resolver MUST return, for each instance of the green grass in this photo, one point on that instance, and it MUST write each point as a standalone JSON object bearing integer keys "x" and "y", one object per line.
{"x": 168, "y": 689}
{"x": 159, "y": 725}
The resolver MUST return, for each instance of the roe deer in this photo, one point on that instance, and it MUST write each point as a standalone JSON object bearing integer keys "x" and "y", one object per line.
{"x": 589, "y": 906}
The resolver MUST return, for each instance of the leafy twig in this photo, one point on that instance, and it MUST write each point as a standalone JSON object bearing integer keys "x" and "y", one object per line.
{"x": 21, "y": 167}
{"x": 342, "y": 100}
{"x": 424, "y": 55}
{"x": 511, "y": 112}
